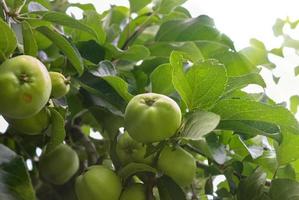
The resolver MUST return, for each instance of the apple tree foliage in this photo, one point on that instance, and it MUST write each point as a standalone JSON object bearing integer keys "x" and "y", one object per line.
{"x": 246, "y": 140}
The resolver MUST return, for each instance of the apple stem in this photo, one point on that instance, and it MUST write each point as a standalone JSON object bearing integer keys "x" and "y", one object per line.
{"x": 149, "y": 102}
{"x": 150, "y": 186}
{"x": 24, "y": 78}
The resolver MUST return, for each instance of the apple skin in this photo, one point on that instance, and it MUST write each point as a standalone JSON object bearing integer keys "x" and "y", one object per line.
{"x": 129, "y": 150}
{"x": 135, "y": 191}
{"x": 25, "y": 87}
{"x": 59, "y": 165}
{"x": 178, "y": 164}
{"x": 60, "y": 85}
{"x": 152, "y": 117}
{"x": 34, "y": 125}
{"x": 98, "y": 183}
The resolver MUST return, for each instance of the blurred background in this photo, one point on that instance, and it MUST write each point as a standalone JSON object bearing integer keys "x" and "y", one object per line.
{"x": 241, "y": 21}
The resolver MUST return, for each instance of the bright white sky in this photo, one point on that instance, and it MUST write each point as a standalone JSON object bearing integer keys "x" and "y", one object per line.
{"x": 242, "y": 20}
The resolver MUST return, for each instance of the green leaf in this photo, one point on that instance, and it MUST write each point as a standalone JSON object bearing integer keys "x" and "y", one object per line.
{"x": 15, "y": 180}
{"x": 239, "y": 148}
{"x": 251, "y": 188}
{"x": 133, "y": 168}
{"x": 135, "y": 53}
{"x": 200, "y": 28}
{"x": 284, "y": 189}
{"x": 107, "y": 72}
{"x": 236, "y": 64}
{"x": 202, "y": 85}
{"x": 8, "y": 40}
{"x": 71, "y": 53}
{"x": 65, "y": 20}
{"x": 57, "y": 130}
{"x": 286, "y": 172}
{"x": 244, "y": 110}
{"x": 166, "y": 6}
{"x": 287, "y": 151}
{"x": 169, "y": 190}
{"x": 252, "y": 128}
{"x": 199, "y": 123}
{"x": 161, "y": 79}
{"x": 136, "y": 5}
{"x": 238, "y": 82}
{"x": 29, "y": 42}
{"x": 164, "y": 49}
{"x": 294, "y": 103}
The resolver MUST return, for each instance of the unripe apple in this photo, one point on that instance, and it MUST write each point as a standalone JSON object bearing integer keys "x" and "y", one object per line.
{"x": 25, "y": 87}
{"x": 60, "y": 85}
{"x": 178, "y": 164}
{"x": 33, "y": 125}
{"x": 129, "y": 150}
{"x": 152, "y": 117}
{"x": 59, "y": 165}
{"x": 98, "y": 183}
{"x": 136, "y": 191}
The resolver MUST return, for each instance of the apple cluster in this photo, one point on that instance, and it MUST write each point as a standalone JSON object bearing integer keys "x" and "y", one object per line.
{"x": 26, "y": 86}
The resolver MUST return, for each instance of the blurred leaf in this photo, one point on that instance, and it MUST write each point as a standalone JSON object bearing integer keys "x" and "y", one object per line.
{"x": 202, "y": 85}
{"x": 30, "y": 45}
{"x": 294, "y": 103}
{"x": 93, "y": 21}
{"x": 166, "y": 6}
{"x": 15, "y": 180}
{"x": 161, "y": 79}
{"x": 133, "y": 168}
{"x": 199, "y": 123}
{"x": 277, "y": 52}
{"x": 251, "y": 188}
{"x": 278, "y": 27}
{"x": 296, "y": 70}
{"x": 8, "y": 41}
{"x": 57, "y": 130}
{"x": 71, "y": 53}
{"x": 136, "y": 5}
{"x": 169, "y": 190}
{"x": 284, "y": 189}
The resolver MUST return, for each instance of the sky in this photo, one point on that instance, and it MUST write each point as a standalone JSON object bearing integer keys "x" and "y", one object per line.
{"x": 242, "y": 20}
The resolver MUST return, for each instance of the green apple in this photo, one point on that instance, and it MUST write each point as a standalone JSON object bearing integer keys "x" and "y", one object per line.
{"x": 98, "y": 183}
{"x": 152, "y": 117}
{"x": 178, "y": 164}
{"x": 59, "y": 165}
{"x": 25, "y": 87}
{"x": 33, "y": 125}
{"x": 136, "y": 191}
{"x": 60, "y": 85}
{"x": 129, "y": 150}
